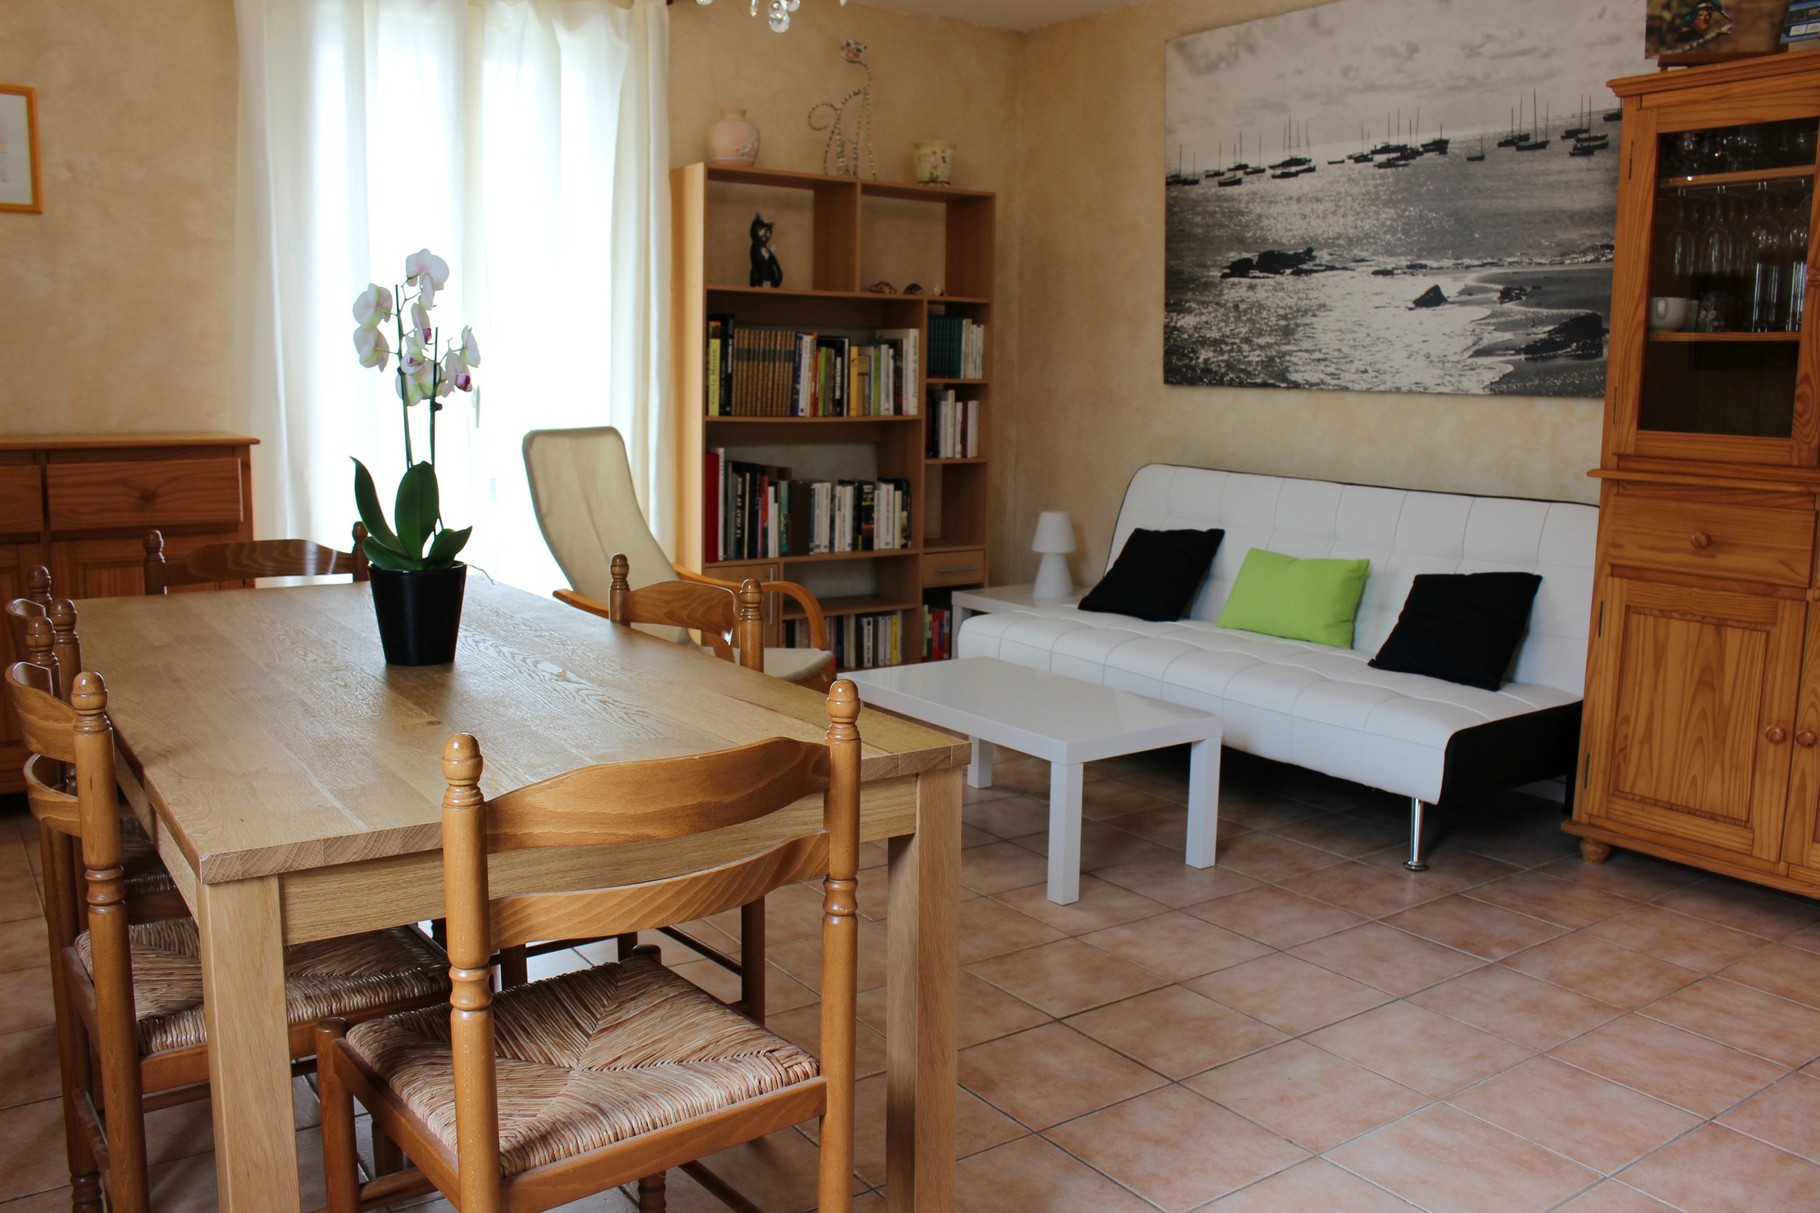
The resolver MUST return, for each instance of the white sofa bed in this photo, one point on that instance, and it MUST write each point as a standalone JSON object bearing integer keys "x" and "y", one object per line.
{"x": 1325, "y": 708}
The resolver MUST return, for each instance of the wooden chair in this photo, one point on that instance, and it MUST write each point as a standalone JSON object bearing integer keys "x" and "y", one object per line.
{"x": 732, "y": 626}
{"x": 213, "y": 563}
{"x": 581, "y": 491}
{"x": 544, "y": 1093}
{"x": 130, "y": 1028}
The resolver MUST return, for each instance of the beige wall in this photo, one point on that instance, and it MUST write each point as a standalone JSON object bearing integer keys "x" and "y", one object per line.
{"x": 115, "y": 303}
{"x": 1092, "y": 406}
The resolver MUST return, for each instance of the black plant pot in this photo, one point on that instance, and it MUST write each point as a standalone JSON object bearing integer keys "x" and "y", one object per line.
{"x": 419, "y": 613}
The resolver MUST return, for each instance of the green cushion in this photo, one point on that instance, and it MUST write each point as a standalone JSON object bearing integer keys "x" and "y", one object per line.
{"x": 1280, "y": 595}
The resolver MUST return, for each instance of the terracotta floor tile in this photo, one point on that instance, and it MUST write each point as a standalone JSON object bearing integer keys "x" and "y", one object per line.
{"x": 1166, "y": 824}
{"x": 1288, "y": 994}
{"x": 23, "y": 945}
{"x": 56, "y": 1200}
{"x": 28, "y": 1000}
{"x": 1009, "y": 815}
{"x": 1051, "y": 1074}
{"x": 782, "y": 1166}
{"x": 1313, "y": 1185}
{"x": 803, "y": 1028}
{"x": 1420, "y": 1049}
{"x": 1101, "y": 905}
{"x": 1600, "y": 969}
{"x": 19, "y": 900}
{"x": 28, "y": 1067}
{"x": 1175, "y": 1031}
{"x": 1791, "y": 972}
{"x": 1064, "y": 977}
{"x": 1453, "y": 870}
{"x": 1518, "y": 842}
{"x": 1106, "y": 799}
{"x": 1031, "y": 1174}
{"x": 31, "y": 1143}
{"x": 1000, "y": 867}
{"x": 1626, "y": 873}
{"x": 1104, "y": 846}
{"x": 1261, "y": 810}
{"x": 801, "y": 959}
{"x": 1177, "y": 946}
{"x": 1387, "y": 958}
{"x": 1716, "y": 1168}
{"x": 1174, "y": 883}
{"x": 1275, "y": 916}
{"x": 1027, "y": 775}
{"x": 1786, "y": 1115}
{"x": 1587, "y": 1118}
{"x": 1517, "y": 1007}
{"x": 1507, "y": 1174}
{"x": 978, "y": 1126}
{"x": 992, "y": 928}
{"x": 1273, "y": 857}
{"x": 1368, "y": 889}
{"x": 1689, "y": 1071}
{"x": 1744, "y": 1018}
{"x": 1307, "y": 1095}
{"x": 1696, "y": 943}
{"x": 1475, "y": 927}
{"x": 1138, "y": 1143}
{"x": 1745, "y": 907}
{"x": 1340, "y": 833}
{"x": 1551, "y": 899}
{"x": 1613, "y": 1196}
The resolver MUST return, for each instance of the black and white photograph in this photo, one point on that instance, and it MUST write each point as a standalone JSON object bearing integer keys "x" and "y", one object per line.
{"x": 1396, "y": 195}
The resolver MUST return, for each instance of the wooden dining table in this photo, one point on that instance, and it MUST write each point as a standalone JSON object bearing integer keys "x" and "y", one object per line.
{"x": 292, "y": 782}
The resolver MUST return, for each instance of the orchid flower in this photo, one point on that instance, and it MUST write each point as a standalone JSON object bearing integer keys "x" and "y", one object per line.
{"x": 470, "y": 347}
{"x": 423, "y": 262}
{"x": 371, "y": 345}
{"x": 372, "y": 305}
{"x": 455, "y": 372}
{"x": 420, "y": 320}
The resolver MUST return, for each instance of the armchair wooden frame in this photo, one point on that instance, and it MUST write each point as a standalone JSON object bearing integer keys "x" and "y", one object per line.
{"x": 633, "y": 803}
{"x": 213, "y": 563}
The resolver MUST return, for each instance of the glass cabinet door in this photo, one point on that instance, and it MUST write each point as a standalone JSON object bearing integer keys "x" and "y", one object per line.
{"x": 1728, "y": 258}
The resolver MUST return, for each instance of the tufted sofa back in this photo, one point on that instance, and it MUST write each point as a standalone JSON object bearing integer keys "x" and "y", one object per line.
{"x": 1401, "y": 531}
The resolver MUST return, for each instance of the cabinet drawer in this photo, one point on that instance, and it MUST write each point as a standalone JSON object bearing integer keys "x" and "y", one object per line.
{"x": 144, "y": 493}
{"x": 21, "y": 498}
{"x": 1712, "y": 537}
{"x": 964, "y": 567}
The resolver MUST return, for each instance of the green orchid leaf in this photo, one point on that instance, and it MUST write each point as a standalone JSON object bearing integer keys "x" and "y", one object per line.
{"x": 447, "y": 544}
{"x": 418, "y": 507}
{"x": 385, "y": 557}
{"x": 366, "y": 500}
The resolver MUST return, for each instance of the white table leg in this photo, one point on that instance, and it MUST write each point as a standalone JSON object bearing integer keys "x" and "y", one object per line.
{"x": 1065, "y": 779}
{"x": 979, "y": 771}
{"x": 1203, "y": 802}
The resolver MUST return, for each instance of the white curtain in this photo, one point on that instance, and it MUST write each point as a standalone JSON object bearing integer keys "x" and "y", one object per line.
{"x": 525, "y": 142}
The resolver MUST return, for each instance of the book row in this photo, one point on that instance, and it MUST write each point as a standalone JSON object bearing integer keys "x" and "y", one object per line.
{"x": 864, "y": 641}
{"x": 756, "y": 512}
{"x": 957, "y": 348}
{"x": 938, "y": 634}
{"x": 767, "y": 371}
{"x": 953, "y": 431}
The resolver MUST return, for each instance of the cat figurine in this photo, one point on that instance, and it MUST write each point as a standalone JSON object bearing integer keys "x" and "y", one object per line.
{"x": 765, "y": 269}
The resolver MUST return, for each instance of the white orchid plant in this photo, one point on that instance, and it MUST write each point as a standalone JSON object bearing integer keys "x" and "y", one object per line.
{"x": 427, "y": 372}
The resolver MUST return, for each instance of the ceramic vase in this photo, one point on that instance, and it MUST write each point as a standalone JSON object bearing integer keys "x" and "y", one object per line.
{"x": 732, "y": 140}
{"x": 934, "y": 162}
{"x": 419, "y": 613}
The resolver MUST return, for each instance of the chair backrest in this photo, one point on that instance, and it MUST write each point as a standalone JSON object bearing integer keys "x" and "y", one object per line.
{"x": 218, "y": 562}
{"x": 78, "y": 734}
{"x": 730, "y": 622}
{"x": 634, "y": 803}
{"x": 587, "y": 508}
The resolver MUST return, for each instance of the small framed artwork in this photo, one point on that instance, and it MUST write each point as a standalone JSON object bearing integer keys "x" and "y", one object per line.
{"x": 19, "y": 188}
{"x": 1708, "y": 31}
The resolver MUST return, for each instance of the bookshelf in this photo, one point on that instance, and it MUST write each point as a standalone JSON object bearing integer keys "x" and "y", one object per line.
{"x": 833, "y": 382}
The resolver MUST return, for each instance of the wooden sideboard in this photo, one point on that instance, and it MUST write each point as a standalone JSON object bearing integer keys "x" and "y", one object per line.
{"x": 80, "y": 504}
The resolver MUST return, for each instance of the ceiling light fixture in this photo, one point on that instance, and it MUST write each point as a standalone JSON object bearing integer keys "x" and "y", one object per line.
{"x": 778, "y": 11}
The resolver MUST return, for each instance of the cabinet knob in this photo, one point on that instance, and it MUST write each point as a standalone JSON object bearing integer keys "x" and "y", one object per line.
{"x": 1776, "y": 734}
{"x": 1805, "y": 739}
{"x": 1701, "y": 539}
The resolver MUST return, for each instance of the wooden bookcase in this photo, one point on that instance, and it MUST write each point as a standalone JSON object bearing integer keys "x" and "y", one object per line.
{"x": 835, "y": 237}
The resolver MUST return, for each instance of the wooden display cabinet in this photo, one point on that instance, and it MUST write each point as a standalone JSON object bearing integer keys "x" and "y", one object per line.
{"x": 1703, "y": 675}
{"x": 836, "y": 237}
{"x": 80, "y": 504}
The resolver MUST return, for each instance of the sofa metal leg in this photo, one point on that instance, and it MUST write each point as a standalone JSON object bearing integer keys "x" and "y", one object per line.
{"x": 1415, "y": 862}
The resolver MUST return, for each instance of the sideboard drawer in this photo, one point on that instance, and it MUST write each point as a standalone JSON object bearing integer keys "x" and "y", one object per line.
{"x": 21, "y": 498}
{"x": 1715, "y": 537}
{"x": 103, "y": 494}
{"x": 966, "y": 566}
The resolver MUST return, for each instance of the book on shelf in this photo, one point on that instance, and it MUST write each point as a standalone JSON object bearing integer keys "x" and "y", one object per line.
{"x": 953, "y": 430}
{"x": 772, "y": 371}
{"x": 758, "y": 512}
{"x": 957, "y": 348}
{"x": 864, "y": 641}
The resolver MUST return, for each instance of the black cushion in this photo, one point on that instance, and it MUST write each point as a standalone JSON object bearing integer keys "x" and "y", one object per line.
{"x": 1156, "y": 574}
{"x": 1460, "y": 626}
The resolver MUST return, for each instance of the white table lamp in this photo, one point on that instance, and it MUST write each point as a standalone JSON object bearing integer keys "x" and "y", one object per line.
{"x": 1054, "y": 539}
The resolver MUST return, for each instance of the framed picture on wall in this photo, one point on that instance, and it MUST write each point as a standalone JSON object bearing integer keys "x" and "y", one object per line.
{"x": 1707, "y": 31}
{"x": 19, "y": 189}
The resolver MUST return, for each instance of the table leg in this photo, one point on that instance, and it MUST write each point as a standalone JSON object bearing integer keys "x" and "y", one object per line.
{"x": 1065, "y": 779}
{"x": 249, "y": 1050}
{"x": 979, "y": 771}
{"x": 1203, "y": 802}
{"x": 920, "y": 1032}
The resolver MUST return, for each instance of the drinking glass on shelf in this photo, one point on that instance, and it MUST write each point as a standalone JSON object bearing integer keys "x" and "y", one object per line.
{"x": 1684, "y": 239}
{"x": 1794, "y": 248}
{"x": 1768, "y": 263}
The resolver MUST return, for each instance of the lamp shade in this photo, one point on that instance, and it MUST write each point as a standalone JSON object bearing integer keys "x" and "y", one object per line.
{"x": 1054, "y": 532}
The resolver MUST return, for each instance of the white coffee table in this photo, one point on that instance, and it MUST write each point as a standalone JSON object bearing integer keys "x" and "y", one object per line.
{"x": 1066, "y": 721}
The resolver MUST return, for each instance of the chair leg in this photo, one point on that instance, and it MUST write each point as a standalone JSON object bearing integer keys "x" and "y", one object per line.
{"x": 73, "y": 1061}
{"x": 340, "y": 1156}
{"x": 514, "y": 967}
{"x": 651, "y": 1193}
{"x": 624, "y": 945}
{"x": 1416, "y": 862}
{"x": 387, "y": 1157}
{"x": 752, "y": 960}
